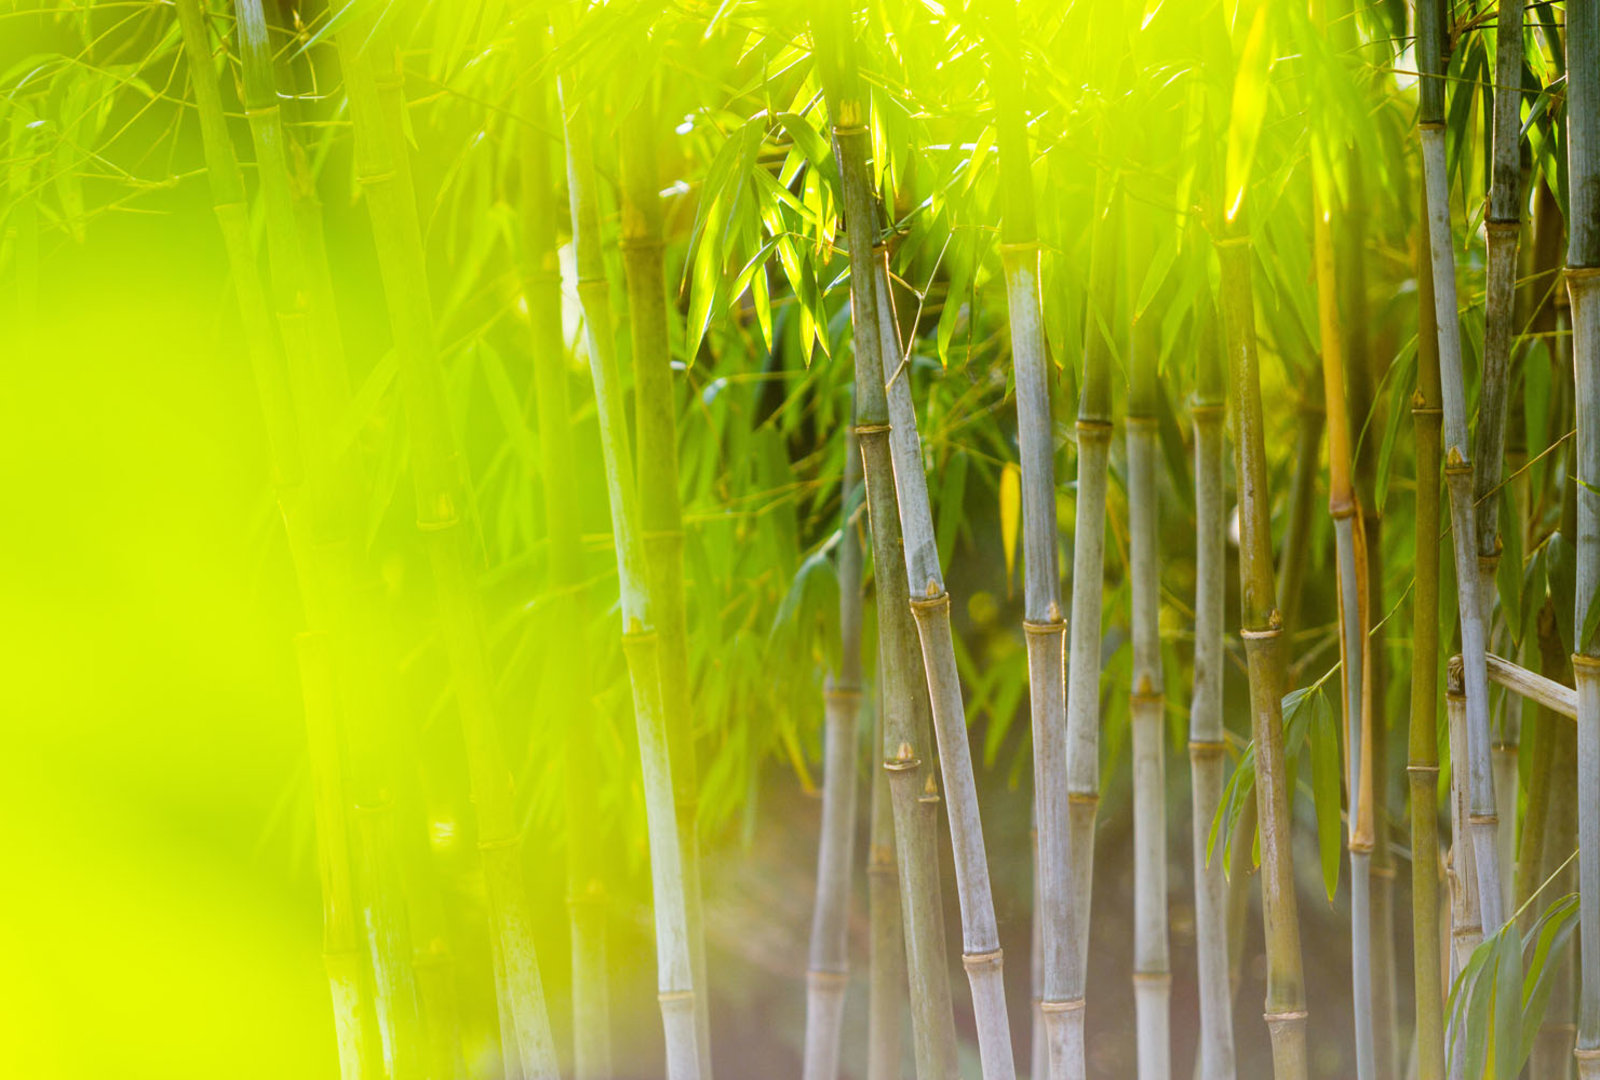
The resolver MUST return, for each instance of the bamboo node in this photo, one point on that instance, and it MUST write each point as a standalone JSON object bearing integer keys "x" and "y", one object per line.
{"x": 1483, "y": 819}
{"x": 1152, "y": 978}
{"x": 1588, "y": 664}
{"x": 1075, "y": 1005}
{"x": 931, "y": 603}
{"x": 672, "y": 997}
{"x": 985, "y": 961}
{"x": 1266, "y": 634}
{"x": 905, "y": 759}
{"x": 1042, "y": 629}
{"x": 1504, "y": 228}
{"x": 1093, "y": 428}
{"x": 1084, "y": 798}
{"x": 1230, "y": 242}
{"x": 1583, "y": 275}
{"x": 821, "y": 977}
{"x": 261, "y": 110}
{"x": 640, "y": 243}
{"x": 841, "y": 131}
{"x": 1386, "y": 872}
{"x": 1286, "y": 1017}
{"x": 842, "y": 694}
{"x": 1205, "y": 410}
{"x": 1019, "y": 246}
{"x": 1420, "y": 769}
{"x": 1207, "y": 747}
{"x": 930, "y": 791}
{"x": 1590, "y": 1054}
{"x": 1146, "y": 698}
{"x": 1141, "y": 422}
{"x": 870, "y": 429}
{"x": 636, "y": 634}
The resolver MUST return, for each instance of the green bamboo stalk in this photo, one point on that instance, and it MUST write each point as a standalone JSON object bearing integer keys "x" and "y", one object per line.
{"x": 1152, "y": 966}
{"x": 1207, "y": 744}
{"x": 1583, "y": 286}
{"x": 540, "y": 269}
{"x": 981, "y": 955}
{"x": 1482, "y": 819}
{"x": 1422, "y": 765}
{"x": 354, "y": 1013}
{"x": 828, "y": 972}
{"x": 898, "y": 655}
{"x": 1355, "y": 673}
{"x": 661, "y": 510}
{"x": 886, "y": 958}
{"x": 375, "y": 87}
{"x": 1062, "y": 998}
{"x": 1285, "y": 1011}
{"x": 675, "y": 982}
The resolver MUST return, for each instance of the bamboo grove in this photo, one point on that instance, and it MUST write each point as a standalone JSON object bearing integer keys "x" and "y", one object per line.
{"x": 805, "y": 503}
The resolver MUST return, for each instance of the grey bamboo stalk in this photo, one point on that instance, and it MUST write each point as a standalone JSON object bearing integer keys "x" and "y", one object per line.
{"x": 1207, "y": 745}
{"x": 1088, "y": 591}
{"x": 1285, "y": 1011}
{"x": 354, "y": 1019}
{"x": 661, "y": 509}
{"x": 1062, "y": 999}
{"x": 1583, "y": 286}
{"x": 674, "y": 969}
{"x": 898, "y": 656}
{"x": 540, "y": 268}
{"x": 1458, "y": 471}
{"x": 1355, "y": 671}
{"x": 1503, "y": 227}
{"x": 980, "y": 934}
{"x": 1466, "y": 919}
{"x": 376, "y": 96}
{"x": 1152, "y": 967}
{"x": 828, "y": 973}
{"x": 319, "y": 385}
{"x": 887, "y": 945}
{"x": 1422, "y": 765}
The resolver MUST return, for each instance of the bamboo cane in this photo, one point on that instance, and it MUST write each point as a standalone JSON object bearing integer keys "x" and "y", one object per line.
{"x": 1422, "y": 765}
{"x": 661, "y": 510}
{"x": 1583, "y": 286}
{"x": 1285, "y": 1011}
{"x": 899, "y": 658}
{"x": 1152, "y": 967}
{"x": 1062, "y": 999}
{"x": 374, "y": 85}
{"x": 829, "y": 970}
{"x": 1458, "y": 470}
{"x": 540, "y": 270}
{"x": 981, "y": 955}
{"x": 354, "y": 1014}
{"x": 887, "y": 956}
{"x": 1207, "y": 747}
{"x": 676, "y": 989}
{"x": 1355, "y": 673}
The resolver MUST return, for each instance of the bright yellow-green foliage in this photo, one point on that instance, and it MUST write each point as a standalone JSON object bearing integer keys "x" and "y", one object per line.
{"x": 218, "y": 411}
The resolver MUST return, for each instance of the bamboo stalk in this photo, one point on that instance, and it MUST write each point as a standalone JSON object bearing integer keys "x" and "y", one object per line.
{"x": 1583, "y": 286}
{"x": 1466, "y": 919}
{"x": 1482, "y": 820}
{"x": 1061, "y": 1004}
{"x": 374, "y": 84}
{"x": 661, "y": 509}
{"x": 1152, "y": 967}
{"x": 828, "y": 972}
{"x": 540, "y": 269}
{"x": 1310, "y": 420}
{"x": 1285, "y": 1011}
{"x": 1355, "y": 671}
{"x": 899, "y": 657}
{"x": 980, "y": 934}
{"x": 355, "y": 1014}
{"x": 1422, "y": 765}
{"x": 676, "y": 989}
{"x": 1207, "y": 745}
{"x": 887, "y": 956}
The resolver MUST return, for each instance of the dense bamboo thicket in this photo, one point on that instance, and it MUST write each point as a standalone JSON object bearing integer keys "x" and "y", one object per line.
{"x": 752, "y": 504}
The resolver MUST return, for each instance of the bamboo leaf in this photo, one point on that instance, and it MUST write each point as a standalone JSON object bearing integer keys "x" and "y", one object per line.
{"x": 1010, "y": 517}
{"x": 1248, "y": 109}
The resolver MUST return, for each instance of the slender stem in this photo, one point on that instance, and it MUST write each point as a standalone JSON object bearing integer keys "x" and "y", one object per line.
{"x": 1207, "y": 745}
{"x": 674, "y": 968}
{"x": 980, "y": 934}
{"x": 1262, "y": 627}
{"x": 887, "y": 955}
{"x": 1152, "y": 967}
{"x": 829, "y": 968}
{"x": 375, "y": 87}
{"x": 1422, "y": 764}
{"x": 540, "y": 269}
{"x": 899, "y": 657}
{"x": 1061, "y": 993}
{"x": 661, "y": 511}
{"x": 1458, "y": 470}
